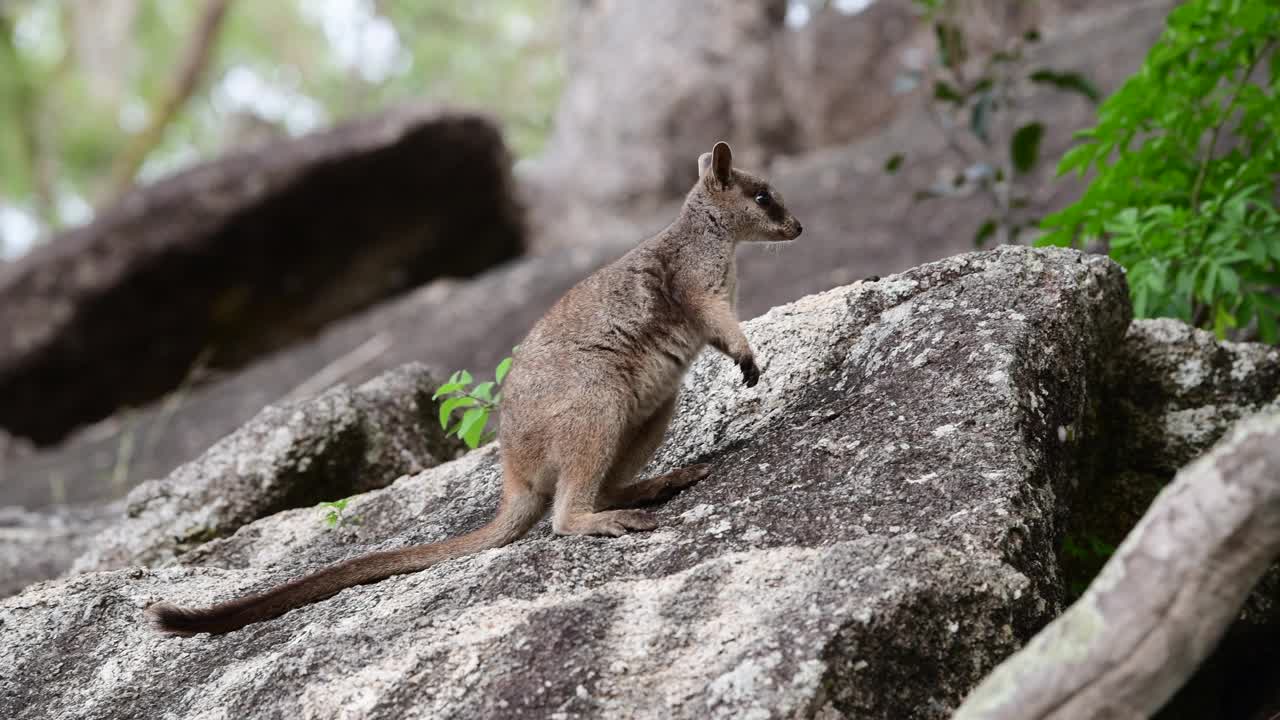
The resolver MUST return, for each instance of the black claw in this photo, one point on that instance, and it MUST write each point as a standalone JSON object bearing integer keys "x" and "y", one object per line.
{"x": 750, "y": 373}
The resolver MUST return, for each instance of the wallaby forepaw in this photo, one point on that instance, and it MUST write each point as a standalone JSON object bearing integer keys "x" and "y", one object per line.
{"x": 750, "y": 373}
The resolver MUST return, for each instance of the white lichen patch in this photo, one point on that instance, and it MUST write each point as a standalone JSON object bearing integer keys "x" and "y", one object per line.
{"x": 1189, "y": 374}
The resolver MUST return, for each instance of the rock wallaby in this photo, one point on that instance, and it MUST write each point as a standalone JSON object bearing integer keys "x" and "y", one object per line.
{"x": 589, "y": 395}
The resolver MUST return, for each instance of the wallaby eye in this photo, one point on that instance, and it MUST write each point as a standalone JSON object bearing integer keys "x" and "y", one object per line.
{"x": 764, "y": 199}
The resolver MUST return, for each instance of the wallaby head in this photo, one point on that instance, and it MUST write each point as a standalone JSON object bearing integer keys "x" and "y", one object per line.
{"x": 746, "y": 205}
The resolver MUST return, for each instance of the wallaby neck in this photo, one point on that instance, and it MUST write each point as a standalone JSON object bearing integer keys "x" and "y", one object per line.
{"x": 698, "y": 222}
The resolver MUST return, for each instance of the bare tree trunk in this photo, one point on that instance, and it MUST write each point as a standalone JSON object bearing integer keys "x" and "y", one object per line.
{"x": 1162, "y": 603}
{"x": 183, "y": 85}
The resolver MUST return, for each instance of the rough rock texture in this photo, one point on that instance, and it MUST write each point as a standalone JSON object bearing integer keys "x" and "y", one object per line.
{"x": 345, "y": 441}
{"x": 877, "y": 534}
{"x": 1163, "y": 601}
{"x": 36, "y": 546}
{"x": 248, "y": 253}
{"x": 1173, "y": 392}
{"x": 1177, "y": 390}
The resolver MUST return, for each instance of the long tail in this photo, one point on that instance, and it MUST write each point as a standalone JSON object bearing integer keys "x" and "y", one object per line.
{"x": 515, "y": 517}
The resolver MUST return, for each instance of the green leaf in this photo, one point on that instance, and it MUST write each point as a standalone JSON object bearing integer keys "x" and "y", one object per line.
{"x": 465, "y": 379}
{"x": 893, "y": 163}
{"x": 1267, "y": 326}
{"x": 1069, "y": 81}
{"x": 985, "y": 231}
{"x": 448, "y": 406}
{"x": 483, "y": 391}
{"x": 447, "y": 388}
{"x": 1209, "y": 283}
{"x": 503, "y": 368}
{"x": 1024, "y": 148}
{"x": 951, "y": 45}
{"x": 1222, "y": 321}
{"x": 472, "y": 427}
{"x": 980, "y": 118}
{"x": 1228, "y": 281}
{"x": 944, "y": 92}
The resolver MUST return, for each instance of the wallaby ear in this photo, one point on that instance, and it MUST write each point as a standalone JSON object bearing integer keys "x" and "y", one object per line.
{"x": 722, "y": 163}
{"x": 704, "y": 164}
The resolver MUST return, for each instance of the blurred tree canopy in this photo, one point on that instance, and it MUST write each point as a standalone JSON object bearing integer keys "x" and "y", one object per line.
{"x": 97, "y": 94}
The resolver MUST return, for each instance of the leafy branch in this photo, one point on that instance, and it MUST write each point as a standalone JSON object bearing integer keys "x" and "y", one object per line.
{"x": 1196, "y": 226}
{"x": 182, "y": 86}
{"x": 476, "y": 404}
{"x": 979, "y": 112}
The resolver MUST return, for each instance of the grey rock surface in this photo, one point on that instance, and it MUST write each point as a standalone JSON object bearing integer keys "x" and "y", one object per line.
{"x": 1177, "y": 389}
{"x": 38, "y": 545}
{"x": 345, "y": 441}
{"x": 878, "y": 532}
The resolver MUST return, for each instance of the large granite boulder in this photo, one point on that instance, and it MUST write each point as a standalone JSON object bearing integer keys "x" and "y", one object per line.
{"x": 297, "y": 453}
{"x": 342, "y": 442}
{"x": 878, "y": 532}
{"x": 245, "y": 254}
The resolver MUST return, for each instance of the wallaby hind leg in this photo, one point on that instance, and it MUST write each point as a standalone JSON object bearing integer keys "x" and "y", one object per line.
{"x": 585, "y": 460}
{"x": 621, "y": 490}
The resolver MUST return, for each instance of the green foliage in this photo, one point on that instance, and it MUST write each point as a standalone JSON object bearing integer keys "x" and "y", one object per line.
{"x": 974, "y": 103}
{"x": 1187, "y": 165}
{"x": 475, "y": 403}
{"x": 1086, "y": 556}
{"x": 334, "y": 517}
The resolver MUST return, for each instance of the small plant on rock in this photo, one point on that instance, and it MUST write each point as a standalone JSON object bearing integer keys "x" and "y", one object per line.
{"x": 476, "y": 404}
{"x": 334, "y": 517}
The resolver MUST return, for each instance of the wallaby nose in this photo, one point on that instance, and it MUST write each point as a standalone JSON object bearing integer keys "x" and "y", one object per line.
{"x": 799, "y": 229}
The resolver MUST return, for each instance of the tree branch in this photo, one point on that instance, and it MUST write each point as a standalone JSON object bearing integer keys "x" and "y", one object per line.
{"x": 182, "y": 86}
{"x": 1164, "y": 600}
{"x": 26, "y": 104}
{"x": 1217, "y": 129}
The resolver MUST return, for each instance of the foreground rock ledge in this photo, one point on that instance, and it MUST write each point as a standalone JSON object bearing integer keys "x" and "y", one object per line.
{"x": 1162, "y": 602}
{"x": 877, "y": 535}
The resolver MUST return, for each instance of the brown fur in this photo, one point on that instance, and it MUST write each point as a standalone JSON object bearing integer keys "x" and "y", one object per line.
{"x": 590, "y": 393}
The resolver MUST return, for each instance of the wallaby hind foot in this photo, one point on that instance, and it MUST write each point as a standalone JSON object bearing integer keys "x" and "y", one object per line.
{"x": 614, "y": 523}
